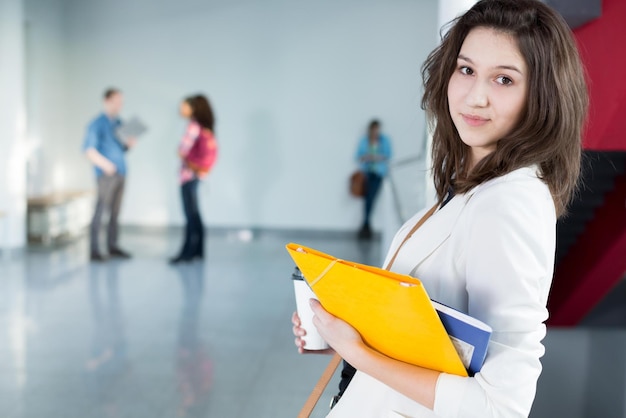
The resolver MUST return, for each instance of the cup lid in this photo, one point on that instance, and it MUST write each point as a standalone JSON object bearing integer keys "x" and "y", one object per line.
{"x": 297, "y": 274}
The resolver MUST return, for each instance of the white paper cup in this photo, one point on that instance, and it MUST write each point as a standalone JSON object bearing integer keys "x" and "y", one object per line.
{"x": 313, "y": 340}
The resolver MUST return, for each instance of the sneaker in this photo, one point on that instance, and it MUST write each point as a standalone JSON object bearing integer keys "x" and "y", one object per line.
{"x": 365, "y": 233}
{"x": 180, "y": 259}
{"x": 118, "y": 253}
{"x": 97, "y": 257}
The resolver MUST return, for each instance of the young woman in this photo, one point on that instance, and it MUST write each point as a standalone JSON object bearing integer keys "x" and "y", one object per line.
{"x": 506, "y": 97}
{"x": 373, "y": 155}
{"x": 198, "y": 139}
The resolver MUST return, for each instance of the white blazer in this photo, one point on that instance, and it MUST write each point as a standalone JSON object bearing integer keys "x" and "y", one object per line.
{"x": 489, "y": 253}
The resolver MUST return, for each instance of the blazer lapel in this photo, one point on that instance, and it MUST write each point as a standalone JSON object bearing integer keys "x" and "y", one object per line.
{"x": 434, "y": 232}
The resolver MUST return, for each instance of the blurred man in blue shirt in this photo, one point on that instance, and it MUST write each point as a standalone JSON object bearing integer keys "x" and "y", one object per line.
{"x": 105, "y": 150}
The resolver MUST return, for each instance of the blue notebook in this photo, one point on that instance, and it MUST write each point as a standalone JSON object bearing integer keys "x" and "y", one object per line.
{"x": 469, "y": 336}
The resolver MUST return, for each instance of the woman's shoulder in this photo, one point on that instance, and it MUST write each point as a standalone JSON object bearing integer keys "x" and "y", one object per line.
{"x": 192, "y": 124}
{"x": 511, "y": 183}
{"x": 520, "y": 189}
{"x": 194, "y": 129}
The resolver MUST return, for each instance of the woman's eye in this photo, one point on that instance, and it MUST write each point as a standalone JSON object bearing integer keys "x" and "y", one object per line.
{"x": 466, "y": 70}
{"x": 504, "y": 80}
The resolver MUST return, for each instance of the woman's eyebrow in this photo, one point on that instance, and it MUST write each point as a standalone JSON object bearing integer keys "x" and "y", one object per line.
{"x": 499, "y": 67}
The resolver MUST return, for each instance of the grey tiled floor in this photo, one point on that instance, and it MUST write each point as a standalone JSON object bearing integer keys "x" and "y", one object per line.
{"x": 141, "y": 339}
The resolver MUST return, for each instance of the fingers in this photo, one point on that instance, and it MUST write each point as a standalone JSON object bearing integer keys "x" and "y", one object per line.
{"x": 321, "y": 314}
{"x": 298, "y": 331}
{"x": 317, "y": 306}
{"x": 300, "y": 344}
{"x": 295, "y": 319}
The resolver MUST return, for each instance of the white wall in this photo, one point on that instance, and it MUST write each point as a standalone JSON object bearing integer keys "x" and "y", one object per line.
{"x": 51, "y": 152}
{"x": 12, "y": 125}
{"x": 293, "y": 85}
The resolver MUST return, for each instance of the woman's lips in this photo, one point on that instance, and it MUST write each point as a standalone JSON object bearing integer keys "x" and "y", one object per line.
{"x": 472, "y": 120}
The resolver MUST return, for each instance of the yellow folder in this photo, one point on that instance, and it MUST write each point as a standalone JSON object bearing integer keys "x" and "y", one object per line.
{"x": 391, "y": 311}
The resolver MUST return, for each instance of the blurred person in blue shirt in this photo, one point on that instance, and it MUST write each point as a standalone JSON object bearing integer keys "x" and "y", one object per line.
{"x": 373, "y": 155}
{"x": 105, "y": 150}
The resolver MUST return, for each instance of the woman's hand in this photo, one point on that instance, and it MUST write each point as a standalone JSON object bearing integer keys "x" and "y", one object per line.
{"x": 300, "y": 332}
{"x": 340, "y": 335}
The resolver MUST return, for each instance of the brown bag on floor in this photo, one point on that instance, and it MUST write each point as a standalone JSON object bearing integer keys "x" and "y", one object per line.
{"x": 357, "y": 184}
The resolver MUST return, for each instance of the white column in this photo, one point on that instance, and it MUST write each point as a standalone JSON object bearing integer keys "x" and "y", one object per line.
{"x": 12, "y": 124}
{"x": 448, "y": 10}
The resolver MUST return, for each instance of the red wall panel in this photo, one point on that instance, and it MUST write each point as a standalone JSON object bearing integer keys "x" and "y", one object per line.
{"x": 602, "y": 45}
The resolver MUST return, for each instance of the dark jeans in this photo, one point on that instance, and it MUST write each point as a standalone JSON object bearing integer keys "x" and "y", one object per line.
{"x": 194, "y": 229}
{"x": 110, "y": 193}
{"x": 372, "y": 186}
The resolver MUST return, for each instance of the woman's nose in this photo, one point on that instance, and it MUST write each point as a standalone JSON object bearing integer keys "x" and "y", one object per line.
{"x": 477, "y": 95}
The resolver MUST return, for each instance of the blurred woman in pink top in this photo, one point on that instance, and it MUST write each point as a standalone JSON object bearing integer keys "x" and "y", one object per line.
{"x": 198, "y": 152}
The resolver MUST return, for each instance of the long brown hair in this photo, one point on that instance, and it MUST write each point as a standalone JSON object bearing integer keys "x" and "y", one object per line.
{"x": 550, "y": 128}
{"x": 201, "y": 111}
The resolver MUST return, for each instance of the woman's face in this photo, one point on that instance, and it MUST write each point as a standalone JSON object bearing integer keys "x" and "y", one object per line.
{"x": 185, "y": 110}
{"x": 487, "y": 91}
{"x": 374, "y": 132}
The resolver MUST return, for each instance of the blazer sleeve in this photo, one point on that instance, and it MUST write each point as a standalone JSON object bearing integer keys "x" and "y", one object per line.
{"x": 509, "y": 256}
